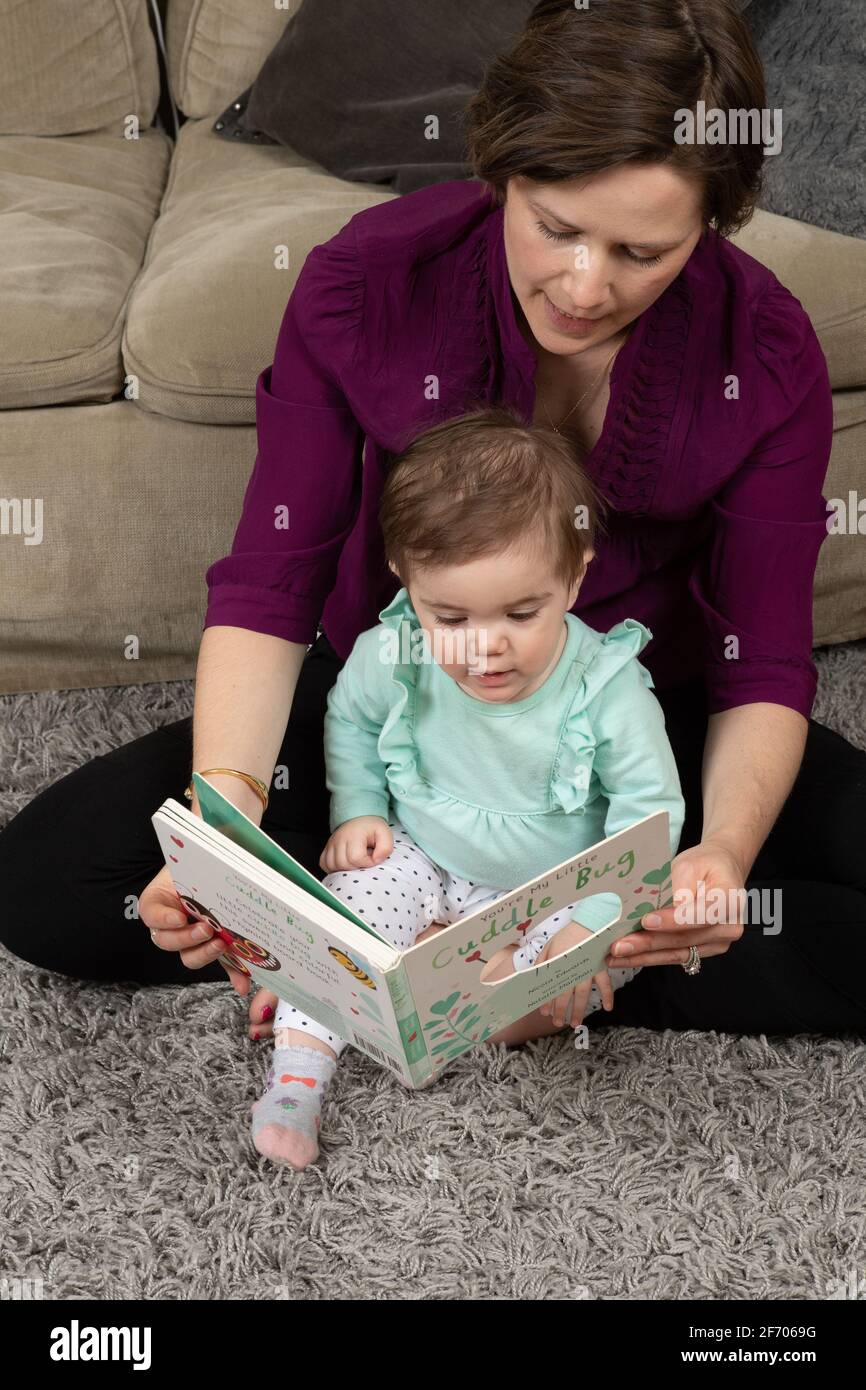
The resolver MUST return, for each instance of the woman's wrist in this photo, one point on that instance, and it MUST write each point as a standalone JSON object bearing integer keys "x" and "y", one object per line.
{"x": 751, "y": 758}
{"x": 238, "y": 792}
{"x": 732, "y": 843}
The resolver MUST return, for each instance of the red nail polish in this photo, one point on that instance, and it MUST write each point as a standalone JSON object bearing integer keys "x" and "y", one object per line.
{"x": 266, "y": 1013}
{"x": 254, "y": 1036}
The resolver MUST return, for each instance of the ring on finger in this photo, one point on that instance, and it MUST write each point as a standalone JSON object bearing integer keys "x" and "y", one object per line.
{"x": 692, "y": 963}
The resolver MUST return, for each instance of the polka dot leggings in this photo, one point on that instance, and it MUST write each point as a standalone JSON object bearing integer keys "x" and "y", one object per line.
{"x": 408, "y": 891}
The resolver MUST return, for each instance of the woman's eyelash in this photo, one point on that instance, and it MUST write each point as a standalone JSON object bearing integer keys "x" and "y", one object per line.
{"x": 642, "y": 260}
{"x": 554, "y": 236}
{"x": 566, "y": 236}
{"x": 518, "y": 617}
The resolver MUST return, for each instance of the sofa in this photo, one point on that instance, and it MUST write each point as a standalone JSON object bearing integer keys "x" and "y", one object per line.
{"x": 146, "y": 265}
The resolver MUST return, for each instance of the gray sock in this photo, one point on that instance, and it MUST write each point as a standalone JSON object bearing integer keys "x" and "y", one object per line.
{"x": 286, "y": 1119}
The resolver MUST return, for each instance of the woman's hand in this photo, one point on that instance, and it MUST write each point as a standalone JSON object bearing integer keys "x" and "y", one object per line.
{"x": 669, "y": 942}
{"x": 359, "y": 843}
{"x": 172, "y": 929}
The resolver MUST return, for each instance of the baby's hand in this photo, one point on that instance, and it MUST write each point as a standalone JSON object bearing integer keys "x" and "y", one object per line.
{"x": 578, "y": 995}
{"x": 359, "y": 843}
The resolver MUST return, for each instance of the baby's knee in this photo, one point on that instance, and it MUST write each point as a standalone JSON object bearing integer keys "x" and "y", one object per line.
{"x": 433, "y": 928}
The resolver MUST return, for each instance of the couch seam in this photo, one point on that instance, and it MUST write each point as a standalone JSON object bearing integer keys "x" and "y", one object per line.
{"x": 184, "y": 53}
{"x": 127, "y": 39}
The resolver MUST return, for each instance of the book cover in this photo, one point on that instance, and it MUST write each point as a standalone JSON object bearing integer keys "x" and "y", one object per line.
{"x": 414, "y": 1011}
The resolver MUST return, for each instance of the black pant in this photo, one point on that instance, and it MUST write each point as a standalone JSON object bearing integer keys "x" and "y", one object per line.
{"x": 75, "y": 858}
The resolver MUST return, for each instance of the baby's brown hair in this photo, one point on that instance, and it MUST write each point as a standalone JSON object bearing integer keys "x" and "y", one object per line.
{"x": 476, "y": 484}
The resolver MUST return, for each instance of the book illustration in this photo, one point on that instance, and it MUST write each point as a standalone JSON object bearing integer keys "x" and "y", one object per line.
{"x": 368, "y": 1008}
{"x": 464, "y": 1029}
{"x": 369, "y": 1005}
{"x": 354, "y": 969}
{"x": 241, "y": 949}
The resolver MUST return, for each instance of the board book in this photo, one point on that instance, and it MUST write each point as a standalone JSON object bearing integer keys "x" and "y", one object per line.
{"x": 412, "y": 1011}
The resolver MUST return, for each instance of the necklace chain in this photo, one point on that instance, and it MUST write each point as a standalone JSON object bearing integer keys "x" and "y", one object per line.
{"x": 589, "y": 388}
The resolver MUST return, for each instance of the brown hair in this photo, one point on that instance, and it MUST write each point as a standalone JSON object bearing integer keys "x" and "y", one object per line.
{"x": 586, "y": 90}
{"x": 477, "y": 484}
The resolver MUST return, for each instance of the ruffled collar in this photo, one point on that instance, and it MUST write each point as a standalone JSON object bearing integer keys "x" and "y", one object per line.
{"x": 411, "y": 644}
{"x": 400, "y": 608}
{"x": 588, "y": 658}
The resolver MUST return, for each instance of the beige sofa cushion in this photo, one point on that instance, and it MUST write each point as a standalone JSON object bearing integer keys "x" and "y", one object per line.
{"x": 215, "y": 48}
{"x": 206, "y": 310}
{"x": 839, "y": 608}
{"x": 75, "y": 216}
{"x": 105, "y": 585}
{"x": 69, "y": 66}
{"x": 827, "y": 273}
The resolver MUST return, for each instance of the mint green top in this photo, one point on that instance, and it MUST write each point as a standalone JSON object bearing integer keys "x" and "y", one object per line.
{"x": 499, "y": 792}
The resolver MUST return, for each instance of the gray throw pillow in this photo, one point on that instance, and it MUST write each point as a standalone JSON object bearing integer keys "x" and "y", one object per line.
{"x": 376, "y": 92}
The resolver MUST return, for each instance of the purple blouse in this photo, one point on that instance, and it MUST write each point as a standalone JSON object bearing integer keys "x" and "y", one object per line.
{"x": 717, "y": 514}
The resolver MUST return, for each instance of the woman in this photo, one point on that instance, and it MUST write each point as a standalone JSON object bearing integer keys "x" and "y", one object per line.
{"x": 595, "y": 291}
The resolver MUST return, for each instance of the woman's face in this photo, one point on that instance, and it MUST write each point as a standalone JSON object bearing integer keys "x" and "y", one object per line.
{"x": 601, "y": 250}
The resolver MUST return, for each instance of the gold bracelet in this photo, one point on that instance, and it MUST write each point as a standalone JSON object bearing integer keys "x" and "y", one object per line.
{"x": 254, "y": 782}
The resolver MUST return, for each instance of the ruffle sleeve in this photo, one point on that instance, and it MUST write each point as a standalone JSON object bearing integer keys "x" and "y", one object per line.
{"x": 573, "y": 767}
{"x": 396, "y": 744}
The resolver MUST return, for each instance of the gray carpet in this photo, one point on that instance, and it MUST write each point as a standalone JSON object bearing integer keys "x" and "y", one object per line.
{"x": 653, "y": 1165}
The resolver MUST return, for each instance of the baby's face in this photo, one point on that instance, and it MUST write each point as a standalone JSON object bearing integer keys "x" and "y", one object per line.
{"x": 496, "y": 625}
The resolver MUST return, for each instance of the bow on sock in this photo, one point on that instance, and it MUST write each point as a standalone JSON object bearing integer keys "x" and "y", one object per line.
{"x": 304, "y": 1080}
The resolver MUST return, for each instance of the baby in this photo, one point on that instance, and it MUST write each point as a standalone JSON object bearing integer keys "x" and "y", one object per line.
{"x": 482, "y": 732}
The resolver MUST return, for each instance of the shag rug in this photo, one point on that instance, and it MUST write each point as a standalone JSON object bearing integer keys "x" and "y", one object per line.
{"x": 650, "y": 1166}
{"x": 814, "y": 54}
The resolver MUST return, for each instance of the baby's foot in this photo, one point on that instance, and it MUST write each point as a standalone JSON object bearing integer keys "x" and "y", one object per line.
{"x": 287, "y": 1118}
